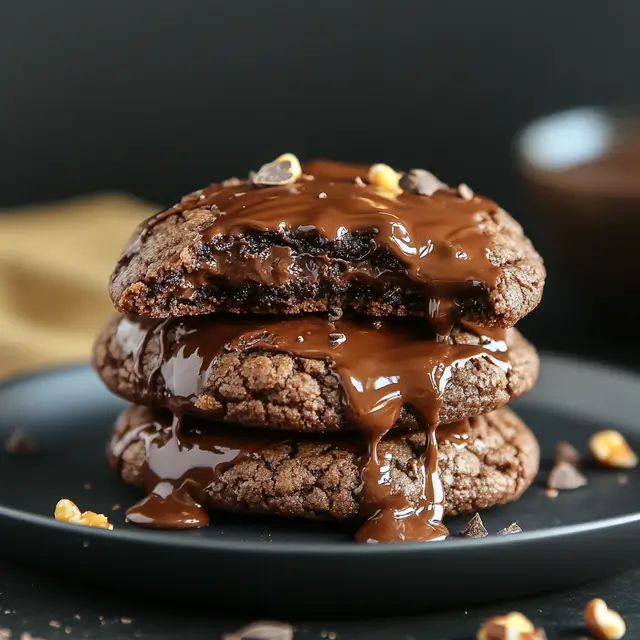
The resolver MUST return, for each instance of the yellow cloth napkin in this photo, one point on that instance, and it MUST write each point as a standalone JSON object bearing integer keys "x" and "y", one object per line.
{"x": 55, "y": 262}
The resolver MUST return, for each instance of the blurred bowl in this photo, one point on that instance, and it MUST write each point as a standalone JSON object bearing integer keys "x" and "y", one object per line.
{"x": 582, "y": 172}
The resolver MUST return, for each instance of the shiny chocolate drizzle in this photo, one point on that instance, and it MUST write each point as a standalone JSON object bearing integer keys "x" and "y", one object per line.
{"x": 439, "y": 242}
{"x": 381, "y": 365}
{"x": 186, "y": 455}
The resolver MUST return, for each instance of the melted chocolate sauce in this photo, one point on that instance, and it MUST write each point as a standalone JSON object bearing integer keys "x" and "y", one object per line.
{"x": 382, "y": 366}
{"x": 184, "y": 459}
{"x": 440, "y": 241}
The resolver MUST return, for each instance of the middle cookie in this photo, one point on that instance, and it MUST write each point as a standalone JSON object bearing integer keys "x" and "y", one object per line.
{"x": 309, "y": 374}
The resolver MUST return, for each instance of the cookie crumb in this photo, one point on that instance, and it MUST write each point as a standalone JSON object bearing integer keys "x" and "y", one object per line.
{"x": 566, "y": 452}
{"x": 27, "y": 636}
{"x": 87, "y": 485}
{"x": 55, "y": 624}
{"x": 67, "y": 630}
{"x": 85, "y": 543}
{"x": 20, "y": 442}
{"x": 77, "y": 616}
{"x": 115, "y": 507}
{"x": 514, "y": 527}
{"x": 232, "y": 182}
{"x": 551, "y": 493}
{"x": 5, "y": 634}
{"x": 421, "y": 182}
{"x": 565, "y": 477}
{"x": 622, "y": 478}
{"x": 126, "y": 620}
{"x": 262, "y": 630}
{"x": 474, "y": 528}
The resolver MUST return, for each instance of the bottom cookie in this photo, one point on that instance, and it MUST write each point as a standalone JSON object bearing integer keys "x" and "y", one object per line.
{"x": 192, "y": 465}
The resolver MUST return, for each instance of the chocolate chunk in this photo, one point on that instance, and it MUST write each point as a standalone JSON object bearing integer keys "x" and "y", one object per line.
{"x": 474, "y": 528}
{"x": 20, "y": 442}
{"x": 514, "y": 527}
{"x": 566, "y": 452}
{"x": 421, "y": 182}
{"x": 262, "y": 630}
{"x": 337, "y": 339}
{"x": 565, "y": 476}
{"x": 273, "y": 174}
{"x": 465, "y": 192}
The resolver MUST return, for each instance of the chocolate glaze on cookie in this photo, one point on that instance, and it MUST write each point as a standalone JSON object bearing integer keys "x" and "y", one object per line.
{"x": 331, "y": 240}
{"x": 381, "y": 370}
{"x": 289, "y": 391}
{"x": 483, "y": 461}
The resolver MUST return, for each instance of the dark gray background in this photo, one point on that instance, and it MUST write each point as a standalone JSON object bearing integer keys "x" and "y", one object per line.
{"x": 161, "y": 97}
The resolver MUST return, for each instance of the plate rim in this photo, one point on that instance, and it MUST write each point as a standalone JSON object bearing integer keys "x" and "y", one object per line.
{"x": 176, "y": 539}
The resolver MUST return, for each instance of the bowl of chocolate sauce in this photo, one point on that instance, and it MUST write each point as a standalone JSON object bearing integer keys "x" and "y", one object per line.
{"x": 582, "y": 173}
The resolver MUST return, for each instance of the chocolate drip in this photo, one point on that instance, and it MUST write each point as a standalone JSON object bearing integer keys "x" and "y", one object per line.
{"x": 381, "y": 365}
{"x": 185, "y": 457}
{"x": 439, "y": 241}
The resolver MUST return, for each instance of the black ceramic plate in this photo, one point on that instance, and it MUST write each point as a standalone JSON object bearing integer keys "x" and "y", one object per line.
{"x": 255, "y": 563}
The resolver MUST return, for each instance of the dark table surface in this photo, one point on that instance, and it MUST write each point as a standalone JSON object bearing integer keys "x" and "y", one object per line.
{"x": 49, "y": 607}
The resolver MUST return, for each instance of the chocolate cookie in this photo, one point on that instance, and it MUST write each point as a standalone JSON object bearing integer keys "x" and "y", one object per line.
{"x": 309, "y": 374}
{"x": 482, "y": 462}
{"x": 334, "y": 237}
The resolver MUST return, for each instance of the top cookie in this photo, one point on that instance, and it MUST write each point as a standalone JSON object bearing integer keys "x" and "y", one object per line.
{"x": 337, "y": 236}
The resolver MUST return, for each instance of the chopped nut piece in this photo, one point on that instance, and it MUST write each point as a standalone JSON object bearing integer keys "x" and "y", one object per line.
{"x": 565, "y": 477}
{"x": 566, "y": 452}
{"x": 382, "y": 175}
{"x": 67, "y": 511}
{"x": 421, "y": 182}
{"x": 513, "y": 626}
{"x": 603, "y": 623}
{"x": 274, "y": 174}
{"x": 337, "y": 339}
{"x": 514, "y": 527}
{"x": 610, "y": 449}
{"x": 474, "y": 528}
{"x": 294, "y": 163}
{"x": 465, "y": 192}
{"x": 20, "y": 442}
{"x": 359, "y": 182}
{"x": 262, "y": 630}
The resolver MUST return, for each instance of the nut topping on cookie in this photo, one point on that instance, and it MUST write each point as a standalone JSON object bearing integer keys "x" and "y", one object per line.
{"x": 422, "y": 182}
{"x": 382, "y": 175}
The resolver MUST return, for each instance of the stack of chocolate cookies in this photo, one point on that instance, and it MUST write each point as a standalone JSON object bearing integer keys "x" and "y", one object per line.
{"x": 329, "y": 341}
